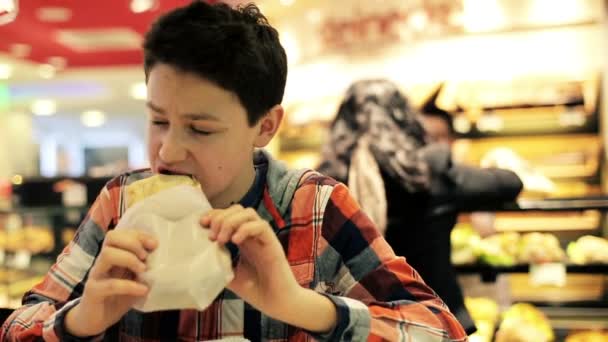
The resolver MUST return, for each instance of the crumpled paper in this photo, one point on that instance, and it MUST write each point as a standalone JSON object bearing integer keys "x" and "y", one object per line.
{"x": 187, "y": 270}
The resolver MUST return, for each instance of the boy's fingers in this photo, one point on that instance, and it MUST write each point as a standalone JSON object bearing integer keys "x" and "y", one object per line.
{"x": 118, "y": 287}
{"x": 233, "y": 222}
{"x": 217, "y": 218}
{"x": 251, "y": 229}
{"x": 136, "y": 242}
{"x": 114, "y": 257}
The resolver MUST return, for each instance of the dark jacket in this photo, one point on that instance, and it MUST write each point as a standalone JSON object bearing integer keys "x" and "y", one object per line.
{"x": 419, "y": 225}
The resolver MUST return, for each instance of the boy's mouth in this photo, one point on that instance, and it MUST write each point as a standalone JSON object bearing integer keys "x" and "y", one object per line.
{"x": 171, "y": 172}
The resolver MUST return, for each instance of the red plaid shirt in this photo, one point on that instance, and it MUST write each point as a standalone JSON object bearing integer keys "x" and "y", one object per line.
{"x": 330, "y": 244}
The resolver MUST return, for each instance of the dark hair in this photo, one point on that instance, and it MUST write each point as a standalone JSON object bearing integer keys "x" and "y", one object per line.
{"x": 235, "y": 48}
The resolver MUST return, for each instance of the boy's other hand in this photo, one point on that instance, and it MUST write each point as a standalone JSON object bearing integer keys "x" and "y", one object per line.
{"x": 111, "y": 289}
{"x": 263, "y": 277}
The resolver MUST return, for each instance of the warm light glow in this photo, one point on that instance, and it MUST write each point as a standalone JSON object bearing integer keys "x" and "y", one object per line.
{"x": 20, "y": 50}
{"x": 44, "y": 107}
{"x": 572, "y": 119}
{"x": 490, "y": 122}
{"x": 57, "y": 62}
{"x": 418, "y": 20}
{"x": 462, "y": 124}
{"x": 314, "y": 16}
{"x": 54, "y": 14}
{"x": 482, "y": 15}
{"x": 287, "y": 2}
{"x": 139, "y": 91}
{"x": 554, "y": 12}
{"x": 291, "y": 46}
{"x": 140, "y": 6}
{"x": 46, "y": 71}
{"x": 17, "y": 179}
{"x": 7, "y": 5}
{"x": 8, "y": 11}
{"x": 93, "y": 118}
{"x": 6, "y": 71}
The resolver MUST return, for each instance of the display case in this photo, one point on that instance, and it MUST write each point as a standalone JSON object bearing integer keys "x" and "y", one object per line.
{"x": 549, "y": 250}
{"x": 41, "y": 219}
{"x": 569, "y": 291}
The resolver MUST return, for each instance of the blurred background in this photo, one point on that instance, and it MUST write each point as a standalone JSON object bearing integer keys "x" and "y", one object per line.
{"x": 522, "y": 76}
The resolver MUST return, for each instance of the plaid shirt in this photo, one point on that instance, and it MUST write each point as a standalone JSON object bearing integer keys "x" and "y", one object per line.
{"x": 330, "y": 244}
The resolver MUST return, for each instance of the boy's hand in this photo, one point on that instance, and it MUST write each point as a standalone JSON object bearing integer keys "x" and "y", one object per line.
{"x": 111, "y": 289}
{"x": 263, "y": 277}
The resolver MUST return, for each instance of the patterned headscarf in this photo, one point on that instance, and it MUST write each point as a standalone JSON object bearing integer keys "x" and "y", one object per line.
{"x": 377, "y": 112}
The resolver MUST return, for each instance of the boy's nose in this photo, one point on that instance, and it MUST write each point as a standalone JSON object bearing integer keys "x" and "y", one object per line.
{"x": 171, "y": 150}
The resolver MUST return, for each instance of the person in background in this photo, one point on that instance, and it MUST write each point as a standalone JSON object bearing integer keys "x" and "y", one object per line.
{"x": 311, "y": 265}
{"x": 378, "y": 145}
{"x": 439, "y": 127}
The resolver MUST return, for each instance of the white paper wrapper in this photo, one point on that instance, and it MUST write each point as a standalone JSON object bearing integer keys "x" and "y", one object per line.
{"x": 187, "y": 270}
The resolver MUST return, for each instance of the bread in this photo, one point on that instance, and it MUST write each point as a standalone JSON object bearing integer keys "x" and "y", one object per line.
{"x": 141, "y": 189}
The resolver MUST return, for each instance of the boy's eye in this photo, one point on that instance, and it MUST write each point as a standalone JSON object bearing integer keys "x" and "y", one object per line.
{"x": 159, "y": 123}
{"x": 200, "y": 132}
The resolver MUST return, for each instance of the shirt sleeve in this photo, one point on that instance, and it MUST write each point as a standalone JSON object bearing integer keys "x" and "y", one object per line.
{"x": 459, "y": 187}
{"x": 378, "y": 295}
{"x": 45, "y": 305}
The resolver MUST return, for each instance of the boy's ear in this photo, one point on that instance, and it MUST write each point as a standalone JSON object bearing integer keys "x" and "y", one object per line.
{"x": 268, "y": 126}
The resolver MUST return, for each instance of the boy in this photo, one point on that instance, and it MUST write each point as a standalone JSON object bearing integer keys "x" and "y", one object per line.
{"x": 311, "y": 264}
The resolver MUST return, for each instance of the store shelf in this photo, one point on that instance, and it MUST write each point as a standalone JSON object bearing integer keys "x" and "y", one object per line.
{"x": 50, "y": 210}
{"x": 554, "y": 204}
{"x": 488, "y": 273}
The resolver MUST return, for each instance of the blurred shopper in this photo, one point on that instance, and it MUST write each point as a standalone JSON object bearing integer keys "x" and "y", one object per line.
{"x": 409, "y": 186}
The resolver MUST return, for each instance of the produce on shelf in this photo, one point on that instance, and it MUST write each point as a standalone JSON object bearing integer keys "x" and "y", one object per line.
{"x": 540, "y": 248}
{"x": 588, "y": 249}
{"x": 588, "y": 336}
{"x": 35, "y": 239}
{"x": 523, "y": 322}
{"x": 511, "y": 248}
{"x": 499, "y": 249}
{"x": 484, "y": 312}
{"x": 465, "y": 241}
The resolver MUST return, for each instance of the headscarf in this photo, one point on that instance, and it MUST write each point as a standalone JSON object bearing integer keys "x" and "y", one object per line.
{"x": 375, "y": 130}
{"x": 376, "y": 110}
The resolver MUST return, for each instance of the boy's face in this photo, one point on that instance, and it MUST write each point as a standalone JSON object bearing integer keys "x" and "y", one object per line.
{"x": 200, "y": 129}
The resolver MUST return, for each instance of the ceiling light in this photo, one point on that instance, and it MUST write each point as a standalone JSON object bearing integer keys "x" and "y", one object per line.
{"x": 93, "y": 118}
{"x": 287, "y": 2}
{"x": 8, "y": 11}
{"x": 7, "y": 5}
{"x": 44, "y": 107}
{"x": 100, "y": 39}
{"x": 314, "y": 16}
{"x": 46, "y": 71}
{"x": 59, "y": 63}
{"x": 551, "y": 12}
{"x": 6, "y": 71}
{"x": 20, "y": 50}
{"x": 139, "y": 6}
{"x": 418, "y": 20}
{"x": 54, "y": 14}
{"x": 483, "y": 15}
{"x": 139, "y": 91}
